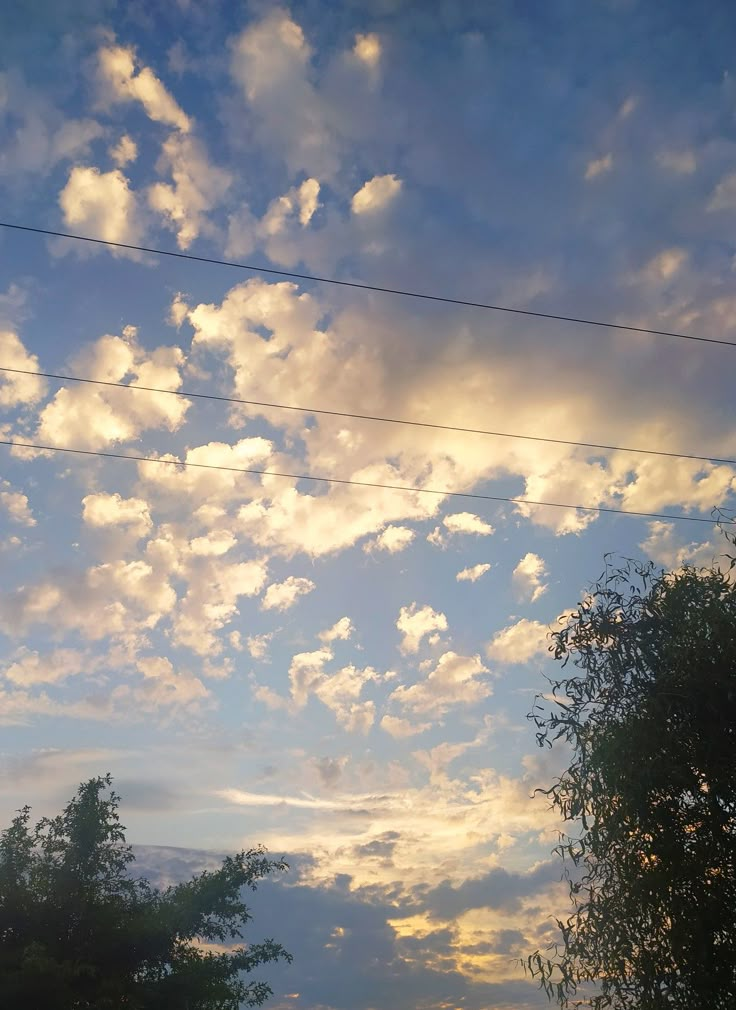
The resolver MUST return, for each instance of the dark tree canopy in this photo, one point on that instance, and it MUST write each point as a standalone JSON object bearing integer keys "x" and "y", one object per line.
{"x": 652, "y": 781}
{"x": 78, "y": 931}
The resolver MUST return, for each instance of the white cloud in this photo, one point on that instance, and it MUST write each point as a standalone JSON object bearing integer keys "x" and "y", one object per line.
{"x": 92, "y": 417}
{"x": 340, "y": 693}
{"x": 305, "y": 671}
{"x": 164, "y": 686}
{"x": 211, "y": 601}
{"x": 375, "y": 194}
{"x": 16, "y": 505}
{"x": 415, "y": 623}
{"x": 340, "y": 631}
{"x": 665, "y": 265}
{"x": 518, "y": 643}
{"x": 466, "y": 522}
{"x": 104, "y": 509}
{"x": 124, "y": 151}
{"x": 460, "y": 522}
{"x": 527, "y": 578}
{"x": 123, "y": 83}
{"x": 271, "y": 61}
{"x": 680, "y": 162}
{"x": 197, "y": 188}
{"x": 400, "y": 728}
{"x": 472, "y": 574}
{"x": 724, "y": 195}
{"x": 599, "y": 166}
{"x": 28, "y": 667}
{"x": 367, "y": 48}
{"x": 102, "y": 205}
{"x": 393, "y": 539}
{"x": 452, "y": 682}
{"x": 663, "y": 546}
{"x": 258, "y": 644}
{"x": 282, "y": 595}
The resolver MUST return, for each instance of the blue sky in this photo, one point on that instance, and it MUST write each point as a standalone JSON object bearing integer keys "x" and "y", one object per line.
{"x": 343, "y": 673}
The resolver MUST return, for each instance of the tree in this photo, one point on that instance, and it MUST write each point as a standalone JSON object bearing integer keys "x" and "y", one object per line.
{"x": 652, "y": 782}
{"x": 78, "y": 931}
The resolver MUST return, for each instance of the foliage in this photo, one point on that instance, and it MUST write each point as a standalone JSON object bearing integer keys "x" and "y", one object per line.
{"x": 78, "y": 931}
{"x": 652, "y": 781}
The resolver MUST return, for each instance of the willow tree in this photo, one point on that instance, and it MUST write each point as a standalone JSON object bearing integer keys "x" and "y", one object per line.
{"x": 651, "y": 789}
{"x": 77, "y": 930}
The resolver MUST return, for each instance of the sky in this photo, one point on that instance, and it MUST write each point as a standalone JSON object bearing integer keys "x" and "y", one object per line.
{"x": 343, "y": 673}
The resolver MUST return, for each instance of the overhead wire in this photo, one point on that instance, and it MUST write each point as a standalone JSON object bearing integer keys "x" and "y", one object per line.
{"x": 363, "y": 286}
{"x": 356, "y": 483}
{"x": 368, "y": 417}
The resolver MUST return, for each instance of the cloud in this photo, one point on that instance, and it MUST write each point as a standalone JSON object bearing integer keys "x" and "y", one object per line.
{"x": 472, "y": 574}
{"x": 211, "y": 601}
{"x": 599, "y": 166}
{"x": 282, "y": 595}
{"x": 724, "y": 195}
{"x": 393, "y": 539}
{"x": 679, "y": 162}
{"x": 258, "y": 644}
{"x": 663, "y": 546}
{"x": 375, "y": 194}
{"x": 415, "y": 623}
{"x": 665, "y": 265}
{"x": 400, "y": 728}
{"x": 305, "y": 671}
{"x": 16, "y": 505}
{"x": 452, "y": 682}
{"x": 197, "y": 188}
{"x": 271, "y": 61}
{"x": 102, "y": 205}
{"x": 102, "y": 510}
{"x": 123, "y": 83}
{"x": 18, "y": 390}
{"x": 92, "y": 417}
{"x": 460, "y": 522}
{"x": 124, "y": 151}
{"x": 340, "y": 631}
{"x": 341, "y": 691}
{"x": 527, "y": 578}
{"x": 367, "y": 49}
{"x": 28, "y": 667}
{"x": 301, "y": 203}
{"x": 518, "y": 643}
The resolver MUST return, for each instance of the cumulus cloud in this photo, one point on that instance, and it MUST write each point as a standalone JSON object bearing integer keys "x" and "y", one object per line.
{"x": 16, "y": 505}
{"x": 680, "y": 162}
{"x": 452, "y": 682}
{"x": 341, "y": 692}
{"x": 415, "y": 623}
{"x": 460, "y": 522}
{"x": 400, "y": 728}
{"x": 271, "y": 61}
{"x": 258, "y": 644}
{"x": 367, "y": 49}
{"x": 212, "y": 599}
{"x": 599, "y": 166}
{"x": 124, "y": 151}
{"x": 124, "y": 82}
{"x": 340, "y": 631}
{"x": 300, "y": 203}
{"x": 375, "y": 194}
{"x": 28, "y": 667}
{"x": 664, "y": 546}
{"x": 392, "y": 540}
{"x": 527, "y": 577}
{"x": 104, "y": 510}
{"x": 519, "y": 642}
{"x": 724, "y": 195}
{"x": 101, "y": 204}
{"x": 18, "y": 390}
{"x": 282, "y": 595}
{"x": 93, "y": 417}
{"x": 197, "y": 188}
{"x": 472, "y": 574}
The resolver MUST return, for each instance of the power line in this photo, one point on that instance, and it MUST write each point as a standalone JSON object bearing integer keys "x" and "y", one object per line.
{"x": 369, "y": 417}
{"x": 356, "y": 483}
{"x": 364, "y": 287}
